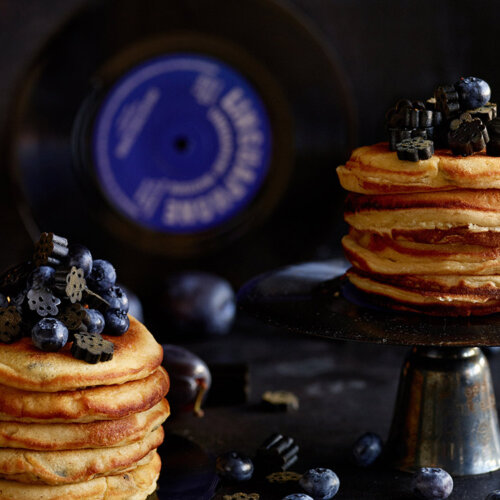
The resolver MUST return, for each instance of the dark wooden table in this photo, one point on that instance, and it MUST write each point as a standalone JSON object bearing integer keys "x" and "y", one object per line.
{"x": 345, "y": 389}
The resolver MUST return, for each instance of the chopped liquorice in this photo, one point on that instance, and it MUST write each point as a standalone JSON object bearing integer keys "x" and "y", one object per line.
{"x": 493, "y": 146}
{"x": 485, "y": 113}
{"x": 10, "y": 324}
{"x": 43, "y": 302}
{"x": 276, "y": 453}
{"x": 447, "y": 100}
{"x": 91, "y": 347}
{"x": 75, "y": 284}
{"x": 415, "y": 149}
{"x": 279, "y": 401}
{"x": 230, "y": 384}
{"x": 14, "y": 279}
{"x": 467, "y": 135}
{"x": 73, "y": 315}
{"x": 50, "y": 249}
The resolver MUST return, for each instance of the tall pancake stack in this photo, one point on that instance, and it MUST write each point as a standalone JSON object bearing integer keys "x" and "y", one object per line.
{"x": 81, "y": 383}
{"x": 425, "y": 224}
{"x": 73, "y": 430}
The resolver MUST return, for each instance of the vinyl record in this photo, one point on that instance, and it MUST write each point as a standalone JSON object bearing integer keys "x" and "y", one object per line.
{"x": 175, "y": 134}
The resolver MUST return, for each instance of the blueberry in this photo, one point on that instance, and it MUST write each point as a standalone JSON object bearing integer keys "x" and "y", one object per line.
{"x": 102, "y": 277}
{"x": 233, "y": 466}
{"x": 80, "y": 257}
{"x": 116, "y": 298}
{"x": 494, "y": 495}
{"x": 367, "y": 449}
{"x": 94, "y": 321}
{"x": 199, "y": 303}
{"x": 298, "y": 496}
{"x": 472, "y": 92}
{"x": 320, "y": 483}
{"x": 135, "y": 305}
{"x": 117, "y": 322}
{"x": 41, "y": 277}
{"x": 190, "y": 378}
{"x": 432, "y": 483}
{"x": 49, "y": 334}
{"x": 3, "y": 300}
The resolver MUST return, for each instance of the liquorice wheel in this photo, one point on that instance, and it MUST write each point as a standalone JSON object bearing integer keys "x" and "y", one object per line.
{"x": 91, "y": 347}
{"x": 415, "y": 149}
{"x": 467, "y": 135}
{"x": 50, "y": 249}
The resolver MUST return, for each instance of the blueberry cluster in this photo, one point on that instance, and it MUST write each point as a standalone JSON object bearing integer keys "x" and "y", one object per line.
{"x": 457, "y": 117}
{"x": 63, "y": 295}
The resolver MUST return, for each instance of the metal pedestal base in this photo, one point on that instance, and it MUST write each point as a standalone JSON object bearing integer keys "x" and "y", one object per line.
{"x": 445, "y": 410}
{"x": 445, "y": 413}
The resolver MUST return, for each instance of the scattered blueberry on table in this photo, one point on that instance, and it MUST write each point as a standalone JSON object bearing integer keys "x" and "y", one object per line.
{"x": 297, "y": 496}
{"x": 432, "y": 483}
{"x": 367, "y": 449}
{"x": 320, "y": 483}
{"x": 199, "y": 303}
{"x": 494, "y": 495}
{"x": 234, "y": 467}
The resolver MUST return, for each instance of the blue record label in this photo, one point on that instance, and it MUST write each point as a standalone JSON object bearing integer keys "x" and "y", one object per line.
{"x": 181, "y": 143}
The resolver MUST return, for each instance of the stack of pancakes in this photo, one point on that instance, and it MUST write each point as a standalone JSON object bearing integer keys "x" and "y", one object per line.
{"x": 73, "y": 430}
{"x": 424, "y": 236}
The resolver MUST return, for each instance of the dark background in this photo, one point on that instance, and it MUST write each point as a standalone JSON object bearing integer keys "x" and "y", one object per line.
{"x": 387, "y": 50}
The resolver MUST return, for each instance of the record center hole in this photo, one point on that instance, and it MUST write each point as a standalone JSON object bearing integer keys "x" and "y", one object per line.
{"x": 182, "y": 144}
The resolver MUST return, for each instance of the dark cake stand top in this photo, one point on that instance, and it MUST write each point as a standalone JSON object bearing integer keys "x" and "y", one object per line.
{"x": 312, "y": 298}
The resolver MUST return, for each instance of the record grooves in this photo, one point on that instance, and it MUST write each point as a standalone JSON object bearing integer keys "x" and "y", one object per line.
{"x": 264, "y": 47}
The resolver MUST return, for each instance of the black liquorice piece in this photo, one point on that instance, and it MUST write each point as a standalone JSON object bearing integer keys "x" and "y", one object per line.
{"x": 447, "y": 101}
{"x": 276, "y": 453}
{"x": 279, "y": 401}
{"x": 485, "y": 113}
{"x": 10, "y": 324}
{"x": 14, "y": 279}
{"x": 396, "y": 135}
{"x": 43, "y": 302}
{"x": 73, "y": 315}
{"x": 467, "y": 135}
{"x": 415, "y": 149}
{"x": 50, "y": 249}
{"x": 493, "y": 146}
{"x": 91, "y": 347}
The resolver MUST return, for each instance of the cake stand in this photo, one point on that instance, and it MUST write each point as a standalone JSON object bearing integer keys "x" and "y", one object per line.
{"x": 445, "y": 413}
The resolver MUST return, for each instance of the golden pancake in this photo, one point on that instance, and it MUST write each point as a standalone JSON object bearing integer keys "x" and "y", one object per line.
{"x": 95, "y": 403}
{"x": 435, "y": 295}
{"x": 73, "y": 466}
{"x": 378, "y": 254}
{"x": 376, "y": 170}
{"x": 458, "y": 216}
{"x": 74, "y": 436}
{"x": 136, "y": 484}
{"x": 22, "y": 365}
